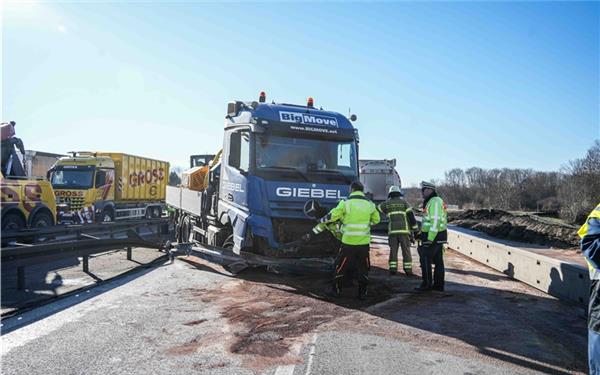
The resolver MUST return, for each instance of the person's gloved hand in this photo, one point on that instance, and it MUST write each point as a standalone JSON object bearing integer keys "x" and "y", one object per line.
{"x": 306, "y": 237}
{"x": 411, "y": 237}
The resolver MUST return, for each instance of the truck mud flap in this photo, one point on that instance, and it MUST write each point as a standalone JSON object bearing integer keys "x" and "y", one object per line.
{"x": 237, "y": 263}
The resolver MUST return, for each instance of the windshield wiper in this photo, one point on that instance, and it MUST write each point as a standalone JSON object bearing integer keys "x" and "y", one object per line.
{"x": 346, "y": 178}
{"x": 291, "y": 169}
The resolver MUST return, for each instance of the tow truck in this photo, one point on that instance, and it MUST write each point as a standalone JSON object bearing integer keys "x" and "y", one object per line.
{"x": 275, "y": 159}
{"x": 25, "y": 202}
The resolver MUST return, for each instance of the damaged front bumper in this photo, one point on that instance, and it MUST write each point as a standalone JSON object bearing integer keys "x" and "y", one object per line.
{"x": 65, "y": 215}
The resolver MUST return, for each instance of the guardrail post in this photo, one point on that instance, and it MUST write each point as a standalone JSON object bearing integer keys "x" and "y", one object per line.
{"x": 86, "y": 266}
{"x": 20, "y": 278}
{"x": 129, "y": 253}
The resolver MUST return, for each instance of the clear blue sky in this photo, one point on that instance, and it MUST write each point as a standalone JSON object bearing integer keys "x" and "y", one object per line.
{"x": 435, "y": 85}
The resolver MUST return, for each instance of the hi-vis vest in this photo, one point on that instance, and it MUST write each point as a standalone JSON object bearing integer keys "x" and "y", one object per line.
{"x": 435, "y": 218}
{"x": 356, "y": 214}
{"x": 582, "y": 232}
{"x": 397, "y": 210}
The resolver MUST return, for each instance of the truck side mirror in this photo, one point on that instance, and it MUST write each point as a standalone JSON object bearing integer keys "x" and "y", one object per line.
{"x": 233, "y": 108}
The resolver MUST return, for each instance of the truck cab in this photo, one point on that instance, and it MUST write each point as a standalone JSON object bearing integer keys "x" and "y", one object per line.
{"x": 108, "y": 186}
{"x": 83, "y": 184}
{"x": 275, "y": 158}
{"x": 25, "y": 202}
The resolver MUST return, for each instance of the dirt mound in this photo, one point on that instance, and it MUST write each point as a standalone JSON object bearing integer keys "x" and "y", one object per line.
{"x": 520, "y": 227}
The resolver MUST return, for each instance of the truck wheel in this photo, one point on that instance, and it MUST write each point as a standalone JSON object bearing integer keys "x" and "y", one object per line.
{"x": 106, "y": 216}
{"x": 154, "y": 212}
{"x": 41, "y": 220}
{"x": 12, "y": 221}
{"x": 185, "y": 230}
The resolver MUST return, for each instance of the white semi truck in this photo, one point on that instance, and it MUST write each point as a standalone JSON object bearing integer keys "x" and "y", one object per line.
{"x": 378, "y": 176}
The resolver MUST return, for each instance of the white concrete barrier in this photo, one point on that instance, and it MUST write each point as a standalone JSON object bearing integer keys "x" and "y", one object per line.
{"x": 560, "y": 279}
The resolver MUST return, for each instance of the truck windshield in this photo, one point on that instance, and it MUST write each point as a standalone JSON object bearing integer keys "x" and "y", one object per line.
{"x": 66, "y": 178}
{"x": 319, "y": 159}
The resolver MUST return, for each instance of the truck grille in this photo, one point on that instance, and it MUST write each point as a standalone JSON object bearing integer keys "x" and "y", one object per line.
{"x": 75, "y": 203}
{"x": 290, "y": 230}
{"x": 286, "y": 230}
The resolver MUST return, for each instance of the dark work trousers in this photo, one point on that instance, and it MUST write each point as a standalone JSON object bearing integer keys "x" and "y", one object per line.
{"x": 428, "y": 256}
{"x": 403, "y": 241}
{"x": 353, "y": 260}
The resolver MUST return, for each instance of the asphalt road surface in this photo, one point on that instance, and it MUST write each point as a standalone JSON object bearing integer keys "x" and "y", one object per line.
{"x": 193, "y": 317}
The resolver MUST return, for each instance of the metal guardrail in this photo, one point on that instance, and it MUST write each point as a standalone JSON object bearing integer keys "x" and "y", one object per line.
{"x": 77, "y": 241}
{"x": 19, "y": 237}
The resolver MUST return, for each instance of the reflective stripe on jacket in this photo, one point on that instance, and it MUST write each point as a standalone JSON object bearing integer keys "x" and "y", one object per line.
{"x": 334, "y": 228}
{"x": 590, "y": 242}
{"x": 356, "y": 215}
{"x": 400, "y": 214}
{"x": 435, "y": 218}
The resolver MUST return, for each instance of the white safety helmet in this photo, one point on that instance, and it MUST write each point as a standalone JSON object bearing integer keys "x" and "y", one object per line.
{"x": 427, "y": 185}
{"x": 395, "y": 189}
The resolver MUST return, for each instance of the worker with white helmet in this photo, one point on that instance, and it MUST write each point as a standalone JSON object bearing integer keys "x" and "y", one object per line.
{"x": 432, "y": 239}
{"x": 400, "y": 225}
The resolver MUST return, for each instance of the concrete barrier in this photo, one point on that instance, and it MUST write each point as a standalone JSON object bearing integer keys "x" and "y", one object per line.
{"x": 566, "y": 281}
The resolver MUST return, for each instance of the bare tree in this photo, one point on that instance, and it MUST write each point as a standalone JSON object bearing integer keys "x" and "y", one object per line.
{"x": 580, "y": 190}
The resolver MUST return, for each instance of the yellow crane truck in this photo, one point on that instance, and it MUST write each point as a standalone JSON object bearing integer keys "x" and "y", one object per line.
{"x": 108, "y": 186}
{"x": 25, "y": 202}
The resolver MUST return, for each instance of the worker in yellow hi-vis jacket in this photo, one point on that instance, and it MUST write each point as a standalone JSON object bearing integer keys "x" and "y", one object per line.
{"x": 590, "y": 245}
{"x": 432, "y": 239}
{"x": 356, "y": 214}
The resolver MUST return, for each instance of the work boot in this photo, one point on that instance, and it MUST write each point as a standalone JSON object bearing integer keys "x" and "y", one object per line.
{"x": 438, "y": 288}
{"x": 333, "y": 292}
{"x": 408, "y": 272}
{"x": 424, "y": 287}
{"x": 347, "y": 282}
{"x": 362, "y": 293}
{"x": 393, "y": 271}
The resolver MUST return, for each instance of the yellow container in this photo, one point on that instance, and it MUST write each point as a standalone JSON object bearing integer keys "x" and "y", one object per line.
{"x": 138, "y": 178}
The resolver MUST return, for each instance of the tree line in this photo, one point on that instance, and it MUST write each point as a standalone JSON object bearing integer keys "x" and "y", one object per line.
{"x": 571, "y": 192}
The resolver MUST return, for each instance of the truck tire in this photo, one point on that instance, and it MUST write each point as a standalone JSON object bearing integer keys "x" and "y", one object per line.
{"x": 151, "y": 212}
{"x": 106, "y": 216}
{"x": 42, "y": 219}
{"x": 13, "y": 221}
{"x": 186, "y": 228}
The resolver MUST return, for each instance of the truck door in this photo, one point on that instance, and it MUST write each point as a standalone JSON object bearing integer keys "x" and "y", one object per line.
{"x": 233, "y": 192}
{"x": 236, "y": 167}
{"x": 105, "y": 189}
